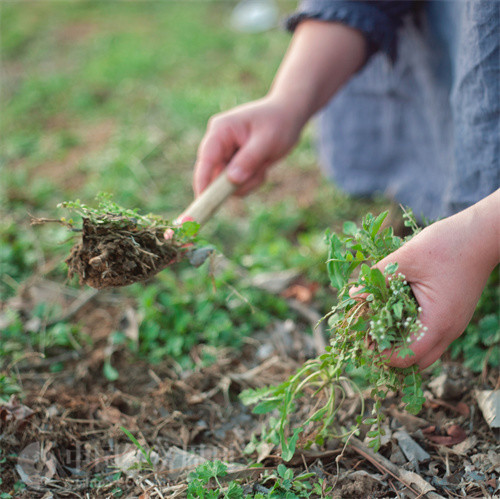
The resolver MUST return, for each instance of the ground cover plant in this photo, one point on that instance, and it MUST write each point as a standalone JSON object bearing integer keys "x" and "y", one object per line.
{"x": 362, "y": 332}
{"x": 135, "y": 391}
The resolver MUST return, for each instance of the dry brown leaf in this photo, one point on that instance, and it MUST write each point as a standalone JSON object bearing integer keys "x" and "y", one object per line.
{"x": 114, "y": 416}
{"x": 300, "y": 292}
{"x": 460, "y": 408}
{"x": 409, "y": 421}
{"x": 14, "y": 413}
{"x": 455, "y": 435}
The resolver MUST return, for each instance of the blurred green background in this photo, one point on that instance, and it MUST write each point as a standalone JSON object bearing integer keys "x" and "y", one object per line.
{"x": 115, "y": 96}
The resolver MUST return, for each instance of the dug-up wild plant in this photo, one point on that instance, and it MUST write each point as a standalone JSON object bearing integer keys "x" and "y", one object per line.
{"x": 119, "y": 246}
{"x": 362, "y": 331}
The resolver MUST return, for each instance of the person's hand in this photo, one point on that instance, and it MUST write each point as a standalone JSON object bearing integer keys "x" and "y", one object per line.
{"x": 246, "y": 140}
{"x": 447, "y": 266}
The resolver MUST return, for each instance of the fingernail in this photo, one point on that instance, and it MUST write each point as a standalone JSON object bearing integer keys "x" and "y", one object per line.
{"x": 182, "y": 219}
{"x": 237, "y": 175}
{"x": 169, "y": 233}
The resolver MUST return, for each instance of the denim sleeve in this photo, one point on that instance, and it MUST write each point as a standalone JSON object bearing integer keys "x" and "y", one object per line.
{"x": 378, "y": 20}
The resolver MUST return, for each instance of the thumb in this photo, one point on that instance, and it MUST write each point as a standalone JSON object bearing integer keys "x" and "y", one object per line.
{"x": 425, "y": 348}
{"x": 403, "y": 257}
{"x": 399, "y": 256}
{"x": 247, "y": 161}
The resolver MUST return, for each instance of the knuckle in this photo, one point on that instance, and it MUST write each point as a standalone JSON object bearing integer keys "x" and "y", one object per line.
{"x": 216, "y": 121}
{"x": 252, "y": 160}
{"x": 406, "y": 362}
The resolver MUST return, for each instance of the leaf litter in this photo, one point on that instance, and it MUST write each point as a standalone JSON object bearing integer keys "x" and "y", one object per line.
{"x": 182, "y": 418}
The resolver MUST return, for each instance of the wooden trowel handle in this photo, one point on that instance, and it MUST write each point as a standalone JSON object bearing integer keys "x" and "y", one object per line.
{"x": 207, "y": 203}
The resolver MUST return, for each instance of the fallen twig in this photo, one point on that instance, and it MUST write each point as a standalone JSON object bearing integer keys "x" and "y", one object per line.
{"x": 407, "y": 478}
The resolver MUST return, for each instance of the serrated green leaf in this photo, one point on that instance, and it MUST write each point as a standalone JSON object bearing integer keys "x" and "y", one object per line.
{"x": 397, "y": 310}
{"x": 413, "y": 408}
{"x": 190, "y": 229}
{"x": 266, "y": 406}
{"x": 405, "y": 352}
{"x": 377, "y": 279}
{"x": 252, "y": 396}
{"x": 281, "y": 470}
{"x": 350, "y": 228}
{"x": 288, "y": 447}
{"x": 234, "y": 491}
{"x": 375, "y": 444}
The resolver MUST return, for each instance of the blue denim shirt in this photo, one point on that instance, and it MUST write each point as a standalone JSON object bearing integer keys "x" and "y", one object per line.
{"x": 421, "y": 121}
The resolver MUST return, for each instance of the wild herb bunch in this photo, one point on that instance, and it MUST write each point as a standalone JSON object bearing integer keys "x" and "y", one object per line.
{"x": 119, "y": 246}
{"x": 365, "y": 330}
{"x": 108, "y": 212}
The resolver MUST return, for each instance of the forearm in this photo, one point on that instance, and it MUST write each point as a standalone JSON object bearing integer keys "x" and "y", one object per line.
{"x": 482, "y": 222}
{"x": 321, "y": 58}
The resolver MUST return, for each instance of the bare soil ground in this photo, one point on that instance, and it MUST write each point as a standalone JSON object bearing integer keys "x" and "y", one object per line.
{"x": 65, "y": 438}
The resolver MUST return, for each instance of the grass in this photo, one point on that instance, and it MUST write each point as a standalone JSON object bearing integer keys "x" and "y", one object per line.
{"x": 155, "y": 73}
{"x": 115, "y": 97}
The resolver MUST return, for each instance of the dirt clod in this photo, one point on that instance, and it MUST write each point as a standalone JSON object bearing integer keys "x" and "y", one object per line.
{"x": 118, "y": 252}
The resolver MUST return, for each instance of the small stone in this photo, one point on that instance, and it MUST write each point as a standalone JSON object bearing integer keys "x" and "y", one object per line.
{"x": 489, "y": 403}
{"x": 447, "y": 388}
{"x": 264, "y": 351}
{"x": 410, "y": 448}
{"x": 397, "y": 456}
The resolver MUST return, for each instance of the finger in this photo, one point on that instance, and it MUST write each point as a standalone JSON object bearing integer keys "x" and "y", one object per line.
{"x": 433, "y": 355}
{"x": 182, "y": 219}
{"x": 399, "y": 257}
{"x": 248, "y": 161}
{"x": 421, "y": 346}
{"x": 205, "y": 173}
{"x": 216, "y": 149}
{"x": 169, "y": 233}
{"x": 394, "y": 360}
{"x": 405, "y": 260}
{"x": 256, "y": 181}
{"x": 357, "y": 293}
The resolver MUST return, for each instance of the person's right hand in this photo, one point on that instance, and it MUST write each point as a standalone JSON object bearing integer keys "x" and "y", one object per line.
{"x": 246, "y": 140}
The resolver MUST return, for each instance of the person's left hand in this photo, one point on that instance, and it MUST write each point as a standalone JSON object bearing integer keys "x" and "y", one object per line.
{"x": 447, "y": 266}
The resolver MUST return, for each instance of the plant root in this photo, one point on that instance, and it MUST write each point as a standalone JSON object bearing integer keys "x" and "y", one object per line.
{"x": 111, "y": 255}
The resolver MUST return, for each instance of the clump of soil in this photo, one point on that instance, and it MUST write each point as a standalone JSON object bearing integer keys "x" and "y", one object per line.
{"x": 117, "y": 252}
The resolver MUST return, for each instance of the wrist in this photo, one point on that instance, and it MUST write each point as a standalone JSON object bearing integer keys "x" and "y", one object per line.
{"x": 481, "y": 224}
{"x": 294, "y": 110}
{"x": 485, "y": 216}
